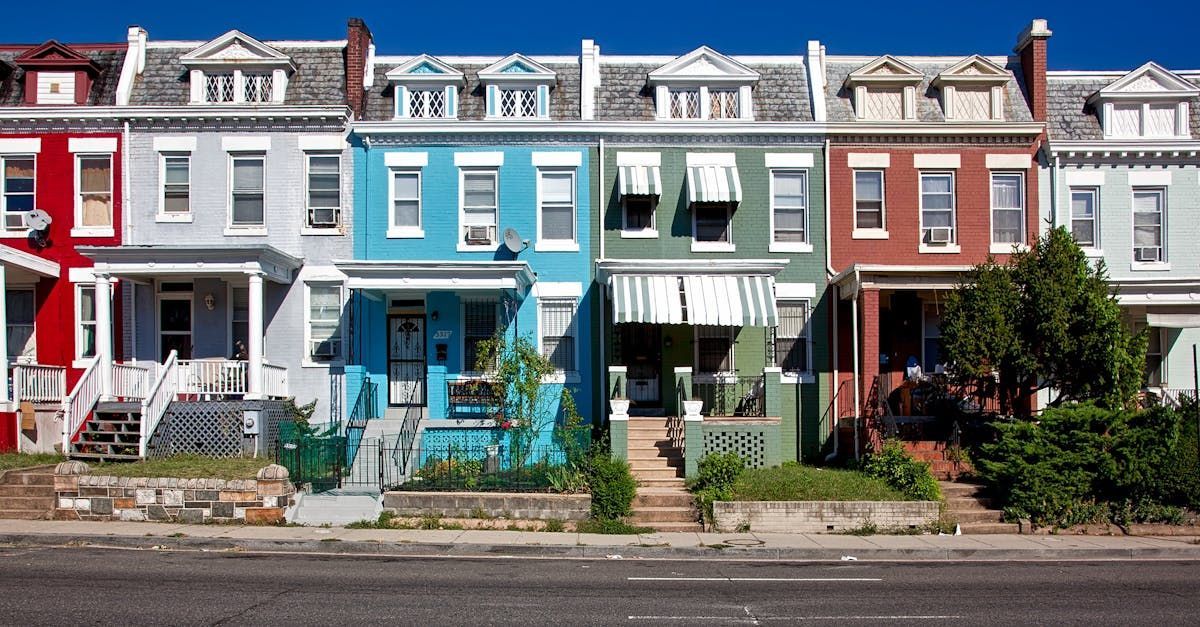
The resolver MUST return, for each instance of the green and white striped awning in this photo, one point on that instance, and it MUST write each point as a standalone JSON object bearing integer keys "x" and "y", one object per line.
{"x": 720, "y": 300}
{"x": 639, "y": 180}
{"x": 713, "y": 183}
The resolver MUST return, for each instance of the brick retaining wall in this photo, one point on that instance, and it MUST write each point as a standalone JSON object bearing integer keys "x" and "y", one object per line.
{"x": 822, "y": 516}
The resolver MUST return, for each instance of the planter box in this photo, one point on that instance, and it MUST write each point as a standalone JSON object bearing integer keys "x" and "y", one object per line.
{"x": 494, "y": 504}
{"x": 821, "y": 516}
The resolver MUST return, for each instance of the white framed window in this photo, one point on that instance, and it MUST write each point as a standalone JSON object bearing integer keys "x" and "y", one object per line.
{"x": 218, "y": 87}
{"x": 17, "y": 189}
{"x": 323, "y": 190}
{"x": 20, "y": 311}
{"x": 1085, "y": 203}
{"x": 637, "y": 216}
{"x": 714, "y": 350}
{"x": 1149, "y": 209}
{"x": 723, "y": 104}
{"x": 323, "y": 323}
{"x": 1008, "y": 209}
{"x": 1160, "y": 120}
{"x": 404, "y": 215}
{"x": 793, "y": 342}
{"x": 868, "y": 200}
{"x": 426, "y": 103}
{"x": 556, "y": 210}
{"x": 238, "y": 86}
{"x": 684, "y": 104}
{"x": 518, "y": 102}
{"x": 94, "y": 192}
{"x": 937, "y": 209}
{"x": 556, "y": 318}
{"x": 1154, "y": 357}
{"x": 175, "y": 195}
{"x": 789, "y": 207}
{"x": 931, "y": 334}
{"x": 479, "y": 206}
{"x": 239, "y": 319}
{"x": 85, "y": 321}
{"x": 711, "y": 225}
{"x": 257, "y": 87}
{"x": 247, "y": 192}
{"x": 480, "y": 321}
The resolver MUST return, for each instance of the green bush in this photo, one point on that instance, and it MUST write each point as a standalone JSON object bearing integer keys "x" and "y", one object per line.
{"x": 612, "y": 486}
{"x": 911, "y": 477}
{"x": 794, "y": 482}
{"x": 714, "y": 480}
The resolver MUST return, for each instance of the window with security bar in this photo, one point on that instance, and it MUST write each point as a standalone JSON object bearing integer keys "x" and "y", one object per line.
{"x": 257, "y": 87}
{"x": 324, "y": 183}
{"x": 518, "y": 103}
{"x": 17, "y": 192}
{"x": 557, "y": 206}
{"x": 714, "y": 349}
{"x": 218, "y": 87}
{"x": 247, "y": 193}
{"x": 479, "y": 205}
{"x": 789, "y": 206}
{"x": 791, "y": 337}
{"x": 723, "y": 104}
{"x": 1008, "y": 208}
{"x": 685, "y": 104}
{"x": 324, "y": 314}
{"x": 558, "y": 333}
{"x": 480, "y": 322}
{"x": 1148, "y": 209}
{"x": 426, "y": 103}
{"x": 711, "y": 221}
{"x": 177, "y": 184}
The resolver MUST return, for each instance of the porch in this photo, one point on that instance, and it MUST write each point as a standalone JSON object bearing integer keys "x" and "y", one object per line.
{"x": 1169, "y": 310}
{"x": 21, "y": 378}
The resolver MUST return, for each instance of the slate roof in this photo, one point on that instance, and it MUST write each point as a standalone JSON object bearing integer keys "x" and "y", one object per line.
{"x": 104, "y": 86}
{"x": 839, "y": 105}
{"x": 472, "y": 103}
{"x": 320, "y": 77}
{"x": 780, "y": 95}
{"x": 1069, "y": 117}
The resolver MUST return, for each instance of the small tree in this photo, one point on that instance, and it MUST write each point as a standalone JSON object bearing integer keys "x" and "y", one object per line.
{"x": 1045, "y": 320}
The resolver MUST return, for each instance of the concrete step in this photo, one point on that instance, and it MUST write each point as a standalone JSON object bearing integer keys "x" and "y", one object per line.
{"x": 649, "y": 421}
{"x": 26, "y": 490}
{"x": 656, "y": 462}
{"x": 658, "y": 451}
{"x": 978, "y": 516}
{"x": 967, "y": 503}
{"x": 959, "y": 489}
{"x": 668, "y": 527}
{"x": 663, "y": 514}
{"x": 26, "y": 514}
{"x": 28, "y": 478}
{"x": 989, "y": 528}
{"x": 641, "y": 472}
{"x": 647, "y": 498}
{"x": 660, "y": 482}
{"x": 27, "y": 502}
{"x": 648, "y": 443}
{"x": 104, "y": 456}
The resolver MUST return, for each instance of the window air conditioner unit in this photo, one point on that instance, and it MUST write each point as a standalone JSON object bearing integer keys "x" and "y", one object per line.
{"x": 323, "y": 351}
{"x": 941, "y": 235}
{"x": 479, "y": 234}
{"x": 1145, "y": 253}
{"x": 324, "y": 217}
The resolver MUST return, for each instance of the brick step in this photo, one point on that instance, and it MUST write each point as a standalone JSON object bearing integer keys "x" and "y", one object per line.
{"x": 27, "y": 502}
{"x": 105, "y": 457}
{"x": 26, "y": 514}
{"x": 931, "y": 456}
{"x": 663, "y": 514}
{"x": 924, "y": 445}
{"x": 978, "y": 516}
{"x": 29, "y": 478}
{"x": 644, "y": 499}
{"x": 26, "y": 490}
{"x": 657, "y": 451}
{"x": 989, "y": 528}
{"x": 667, "y": 472}
{"x": 965, "y": 503}
{"x": 670, "y": 527}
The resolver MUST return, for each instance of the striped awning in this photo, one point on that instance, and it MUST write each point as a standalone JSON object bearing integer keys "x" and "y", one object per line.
{"x": 721, "y": 300}
{"x": 713, "y": 183}
{"x": 639, "y": 180}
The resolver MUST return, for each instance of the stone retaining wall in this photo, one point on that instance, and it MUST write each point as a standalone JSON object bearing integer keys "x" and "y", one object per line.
{"x": 492, "y": 504}
{"x": 822, "y": 516}
{"x": 82, "y": 496}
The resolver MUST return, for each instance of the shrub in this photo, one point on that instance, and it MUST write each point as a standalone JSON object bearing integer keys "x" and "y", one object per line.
{"x": 613, "y": 487}
{"x": 714, "y": 480}
{"x": 911, "y": 477}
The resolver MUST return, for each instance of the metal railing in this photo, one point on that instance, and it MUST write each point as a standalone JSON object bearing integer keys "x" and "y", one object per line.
{"x": 132, "y": 381}
{"x": 275, "y": 381}
{"x": 407, "y": 438}
{"x": 212, "y": 377}
{"x": 472, "y": 398}
{"x": 675, "y": 432}
{"x": 157, "y": 399}
{"x": 79, "y": 403}
{"x": 39, "y": 384}
{"x": 729, "y": 395}
{"x": 494, "y": 468}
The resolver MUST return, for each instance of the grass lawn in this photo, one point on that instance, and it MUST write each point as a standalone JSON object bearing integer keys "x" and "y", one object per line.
{"x": 25, "y": 460}
{"x": 793, "y": 482}
{"x": 185, "y": 467}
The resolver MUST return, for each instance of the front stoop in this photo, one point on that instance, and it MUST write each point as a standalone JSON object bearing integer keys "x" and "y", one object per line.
{"x": 27, "y": 494}
{"x": 973, "y": 511}
{"x": 939, "y": 456}
{"x": 662, "y": 502}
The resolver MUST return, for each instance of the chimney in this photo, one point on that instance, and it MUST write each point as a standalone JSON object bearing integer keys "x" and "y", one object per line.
{"x": 358, "y": 46}
{"x": 1031, "y": 48}
{"x": 589, "y": 79}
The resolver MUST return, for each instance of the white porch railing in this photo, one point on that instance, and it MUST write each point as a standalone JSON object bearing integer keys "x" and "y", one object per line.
{"x": 39, "y": 384}
{"x": 275, "y": 383}
{"x": 158, "y": 398}
{"x": 212, "y": 377}
{"x": 79, "y": 404}
{"x": 133, "y": 381}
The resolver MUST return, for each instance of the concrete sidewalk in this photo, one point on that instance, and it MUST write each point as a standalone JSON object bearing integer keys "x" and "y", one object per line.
{"x": 804, "y": 547}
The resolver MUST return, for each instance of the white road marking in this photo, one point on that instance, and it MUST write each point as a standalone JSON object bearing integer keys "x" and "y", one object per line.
{"x": 752, "y": 579}
{"x": 747, "y": 619}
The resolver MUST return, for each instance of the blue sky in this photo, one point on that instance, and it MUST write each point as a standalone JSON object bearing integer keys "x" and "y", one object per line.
{"x": 1095, "y": 35}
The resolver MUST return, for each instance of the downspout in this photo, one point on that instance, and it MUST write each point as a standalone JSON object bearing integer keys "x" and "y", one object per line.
{"x": 1054, "y": 167}
{"x": 601, "y": 372}
{"x": 854, "y": 327}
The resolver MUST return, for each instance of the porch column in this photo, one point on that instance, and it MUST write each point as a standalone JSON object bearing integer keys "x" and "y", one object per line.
{"x": 3, "y": 341}
{"x": 104, "y": 348}
{"x": 255, "y": 336}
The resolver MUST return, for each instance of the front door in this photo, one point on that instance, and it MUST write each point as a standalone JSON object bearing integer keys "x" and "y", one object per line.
{"x": 641, "y": 345}
{"x": 175, "y": 326}
{"x": 406, "y": 360}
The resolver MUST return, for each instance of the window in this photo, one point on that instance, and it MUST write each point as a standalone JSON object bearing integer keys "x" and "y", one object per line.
{"x": 723, "y": 104}
{"x": 85, "y": 323}
{"x": 1127, "y": 120}
{"x": 95, "y": 196}
{"x": 789, "y": 207}
{"x": 324, "y": 182}
{"x": 558, "y": 333}
{"x": 218, "y": 87}
{"x": 406, "y": 200}
{"x": 685, "y": 104}
{"x": 19, "y": 308}
{"x": 639, "y": 213}
{"x": 937, "y": 208}
{"x": 1154, "y": 357}
{"x": 791, "y": 337}
{"x": 973, "y": 103}
{"x": 557, "y": 217}
{"x": 324, "y": 315}
{"x": 1083, "y": 217}
{"x": 427, "y": 103}
{"x": 480, "y": 322}
{"x": 884, "y": 104}
{"x": 239, "y": 316}
{"x": 714, "y": 349}
{"x": 18, "y": 190}
{"x": 1138, "y": 119}
{"x": 177, "y": 184}
{"x": 518, "y": 103}
{"x": 257, "y": 87}
{"x": 247, "y": 190}
{"x": 1160, "y": 120}
{"x": 711, "y": 222}
{"x": 479, "y": 205}
{"x": 1008, "y": 208}
{"x": 1148, "y": 225}
{"x": 868, "y": 199}
{"x": 932, "y": 347}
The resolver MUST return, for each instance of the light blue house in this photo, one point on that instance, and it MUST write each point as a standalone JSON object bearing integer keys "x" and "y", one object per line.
{"x": 471, "y": 218}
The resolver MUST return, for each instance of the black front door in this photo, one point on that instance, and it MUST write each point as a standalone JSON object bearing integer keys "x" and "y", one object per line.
{"x": 406, "y": 360}
{"x": 641, "y": 347}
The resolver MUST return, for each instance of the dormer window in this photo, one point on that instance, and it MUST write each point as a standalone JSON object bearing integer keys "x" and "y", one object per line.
{"x": 425, "y": 88}
{"x": 973, "y": 90}
{"x": 885, "y": 90}
{"x": 1148, "y": 103}
{"x": 218, "y": 87}
{"x": 56, "y": 75}
{"x": 237, "y": 69}
{"x": 518, "y": 87}
{"x": 703, "y": 85}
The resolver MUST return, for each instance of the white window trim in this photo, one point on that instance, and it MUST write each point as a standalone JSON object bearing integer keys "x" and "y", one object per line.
{"x": 953, "y": 246}
{"x": 306, "y": 361}
{"x": 569, "y": 377}
{"x": 662, "y": 99}
{"x": 1095, "y": 250}
{"x": 92, "y": 231}
{"x": 872, "y": 233}
{"x": 786, "y": 247}
{"x": 463, "y": 246}
{"x": 278, "y": 86}
{"x": 1001, "y": 248}
{"x": 498, "y": 88}
{"x": 714, "y": 247}
{"x": 557, "y": 245}
{"x": 1149, "y": 266}
{"x": 306, "y": 228}
{"x": 405, "y": 232}
{"x": 163, "y": 215}
{"x": 77, "y": 290}
{"x": 807, "y": 375}
{"x": 232, "y": 229}
{"x": 25, "y": 287}
{"x": 708, "y": 377}
{"x": 22, "y": 232}
{"x": 647, "y": 233}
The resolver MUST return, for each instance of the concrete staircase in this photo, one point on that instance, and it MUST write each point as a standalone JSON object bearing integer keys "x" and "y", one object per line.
{"x": 939, "y": 456}
{"x": 27, "y": 494}
{"x": 973, "y": 511}
{"x": 662, "y": 501}
{"x": 111, "y": 433}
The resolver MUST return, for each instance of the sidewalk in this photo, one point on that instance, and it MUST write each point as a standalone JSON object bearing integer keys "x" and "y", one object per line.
{"x": 804, "y": 547}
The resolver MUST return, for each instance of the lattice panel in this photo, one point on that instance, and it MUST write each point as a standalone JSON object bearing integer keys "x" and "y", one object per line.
{"x": 214, "y": 428}
{"x": 685, "y": 104}
{"x": 885, "y": 104}
{"x": 218, "y": 87}
{"x": 973, "y": 104}
{"x": 436, "y": 439}
{"x": 723, "y": 104}
{"x": 427, "y": 104}
{"x": 751, "y": 445}
{"x": 258, "y": 87}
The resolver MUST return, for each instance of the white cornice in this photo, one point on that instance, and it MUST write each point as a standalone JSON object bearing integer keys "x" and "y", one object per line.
{"x": 393, "y": 59}
{"x": 325, "y": 43}
{"x": 940, "y": 129}
{"x": 180, "y": 112}
{"x": 1167, "y": 148}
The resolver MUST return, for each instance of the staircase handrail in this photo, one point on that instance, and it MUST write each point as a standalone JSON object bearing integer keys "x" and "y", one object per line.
{"x": 80, "y": 402}
{"x": 154, "y": 406}
{"x": 408, "y": 434}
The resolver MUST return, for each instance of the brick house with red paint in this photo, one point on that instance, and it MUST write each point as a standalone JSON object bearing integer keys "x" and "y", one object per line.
{"x": 932, "y": 168}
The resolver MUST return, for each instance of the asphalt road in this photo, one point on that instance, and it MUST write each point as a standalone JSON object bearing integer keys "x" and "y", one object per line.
{"x": 94, "y": 586}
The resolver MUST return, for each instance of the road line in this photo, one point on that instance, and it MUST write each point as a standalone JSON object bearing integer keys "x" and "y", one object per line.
{"x": 817, "y": 579}
{"x": 748, "y": 619}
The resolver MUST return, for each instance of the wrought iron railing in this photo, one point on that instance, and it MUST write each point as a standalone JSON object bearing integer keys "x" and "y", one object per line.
{"x": 39, "y": 384}
{"x": 498, "y": 467}
{"x": 472, "y": 398}
{"x": 407, "y": 437}
{"x": 729, "y": 395}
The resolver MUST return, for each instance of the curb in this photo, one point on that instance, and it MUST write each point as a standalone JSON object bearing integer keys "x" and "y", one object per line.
{"x": 415, "y": 549}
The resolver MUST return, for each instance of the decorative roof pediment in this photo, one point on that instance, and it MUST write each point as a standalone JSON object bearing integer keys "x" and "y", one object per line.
{"x": 973, "y": 69}
{"x": 517, "y": 67}
{"x": 236, "y": 48}
{"x": 704, "y": 65}
{"x": 425, "y": 68}
{"x": 54, "y": 55}
{"x": 1151, "y": 81}
{"x": 885, "y": 70}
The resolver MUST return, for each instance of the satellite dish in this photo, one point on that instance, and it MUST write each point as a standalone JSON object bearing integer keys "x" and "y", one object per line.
{"x": 38, "y": 220}
{"x": 513, "y": 241}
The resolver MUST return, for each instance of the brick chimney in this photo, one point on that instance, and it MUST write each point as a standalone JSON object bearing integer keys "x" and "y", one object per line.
{"x": 1031, "y": 48}
{"x": 358, "y": 47}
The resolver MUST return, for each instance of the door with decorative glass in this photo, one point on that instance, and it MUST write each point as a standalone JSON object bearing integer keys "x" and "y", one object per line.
{"x": 406, "y": 360}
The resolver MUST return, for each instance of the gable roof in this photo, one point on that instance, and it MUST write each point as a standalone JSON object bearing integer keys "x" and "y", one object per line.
{"x": 516, "y": 66}
{"x": 425, "y": 67}
{"x": 703, "y": 65}
{"x": 52, "y": 54}
{"x": 106, "y": 59}
{"x": 885, "y": 69}
{"x": 1151, "y": 80}
{"x": 235, "y": 48}
{"x": 973, "y": 69}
